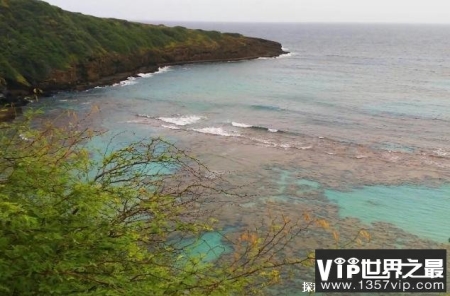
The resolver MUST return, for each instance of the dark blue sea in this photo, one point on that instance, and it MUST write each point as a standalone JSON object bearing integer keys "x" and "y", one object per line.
{"x": 352, "y": 126}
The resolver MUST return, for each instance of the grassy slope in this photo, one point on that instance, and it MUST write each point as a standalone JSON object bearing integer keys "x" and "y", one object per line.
{"x": 37, "y": 38}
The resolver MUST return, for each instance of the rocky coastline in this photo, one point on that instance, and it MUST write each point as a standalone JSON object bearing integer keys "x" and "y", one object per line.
{"x": 112, "y": 68}
{"x": 55, "y": 50}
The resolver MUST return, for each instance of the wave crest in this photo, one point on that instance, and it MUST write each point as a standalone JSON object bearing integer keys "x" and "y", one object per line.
{"x": 215, "y": 131}
{"x": 182, "y": 120}
{"x": 237, "y": 124}
{"x": 130, "y": 81}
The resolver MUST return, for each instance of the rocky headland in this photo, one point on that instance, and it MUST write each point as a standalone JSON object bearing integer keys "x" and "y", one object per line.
{"x": 46, "y": 49}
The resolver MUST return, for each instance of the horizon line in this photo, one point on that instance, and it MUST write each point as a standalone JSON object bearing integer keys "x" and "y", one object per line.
{"x": 287, "y": 22}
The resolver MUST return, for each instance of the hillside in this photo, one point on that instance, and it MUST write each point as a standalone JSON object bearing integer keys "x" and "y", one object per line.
{"x": 46, "y": 47}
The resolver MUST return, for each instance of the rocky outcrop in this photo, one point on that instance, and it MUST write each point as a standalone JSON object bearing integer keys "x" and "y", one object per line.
{"x": 110, "y": 68}
{"x": 52, "y": 49}
{"x": 113, "y": 67}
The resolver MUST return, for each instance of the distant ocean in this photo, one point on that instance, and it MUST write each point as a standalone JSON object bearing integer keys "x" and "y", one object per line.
{"x": 353, "y": 125}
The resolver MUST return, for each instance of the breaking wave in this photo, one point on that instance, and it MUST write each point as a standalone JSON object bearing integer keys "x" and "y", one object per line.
{"x": 216, "y": 131}
{"x": 256, "y": 127}
{"x": 160, "y": 71}
{"x": 130, "y": 81}
{"x": 181, "y": 120}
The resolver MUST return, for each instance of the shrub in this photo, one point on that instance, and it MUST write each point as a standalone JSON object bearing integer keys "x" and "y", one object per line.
{"x": 76, "y": 222}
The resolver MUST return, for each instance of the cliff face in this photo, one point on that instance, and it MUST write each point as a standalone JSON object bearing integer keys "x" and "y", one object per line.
{"x": 113, "y": 67}
{"x": 45, "y": 47}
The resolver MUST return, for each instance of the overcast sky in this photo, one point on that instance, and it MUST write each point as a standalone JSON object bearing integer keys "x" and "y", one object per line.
{"x": 385, "y": 11}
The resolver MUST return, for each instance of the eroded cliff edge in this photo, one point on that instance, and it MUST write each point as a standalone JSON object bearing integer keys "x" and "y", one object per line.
{"x": 43, "y": 47}
{"x": 113, "y": 67}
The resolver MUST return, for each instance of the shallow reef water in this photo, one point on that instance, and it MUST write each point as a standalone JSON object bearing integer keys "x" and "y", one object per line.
{"x": 350, "y": 130}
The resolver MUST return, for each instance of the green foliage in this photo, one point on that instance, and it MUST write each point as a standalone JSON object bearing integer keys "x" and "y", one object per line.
{"x": 36, "y": 38}
{"x": 237, "y": 35}
{"x": 214, "y": 35}
{"x": 70, "y": 224}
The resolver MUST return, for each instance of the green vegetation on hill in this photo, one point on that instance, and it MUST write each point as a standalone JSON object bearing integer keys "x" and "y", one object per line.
{"x": 37, "y": 38}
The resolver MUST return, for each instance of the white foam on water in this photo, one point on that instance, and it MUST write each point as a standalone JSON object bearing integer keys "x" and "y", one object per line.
{"x": 244, "y": 125}
{"x": 142, "y": 120}
{"x": 284, "y": 48}
{"x": 215, "y": 131}
{"x": 182, "y": 120}
{"x": 163, "y": 70}
{"x": 144, "y": 115}
{"x": 284, "y": 55}
{"x": 130, "y": 81}
{"x": 285, "y": 146}
{"x": 170, "y": 127}
{"x": 237, "y": 124}
{"x": 160, "y": 71}
{"x": 145, "y": 75}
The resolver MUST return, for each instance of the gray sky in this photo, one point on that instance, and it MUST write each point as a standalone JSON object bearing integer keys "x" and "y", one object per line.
{"x": 386, "y": 11}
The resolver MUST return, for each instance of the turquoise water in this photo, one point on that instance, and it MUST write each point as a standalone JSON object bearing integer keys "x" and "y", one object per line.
{"x": 419, "y": 210}
{"x": 208, "y": 248}
{"x": 350, "y": 113}
{"x": 416, "y": 209}
{"x": 310, "y": 185}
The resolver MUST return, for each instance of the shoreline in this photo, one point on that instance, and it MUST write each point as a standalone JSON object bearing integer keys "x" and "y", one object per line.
{"x": 19, "y": 98}
{"x": 117, "y": 78}
{"x": 121, "y": 49}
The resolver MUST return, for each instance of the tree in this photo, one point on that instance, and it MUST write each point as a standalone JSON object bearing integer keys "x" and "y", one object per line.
{"x": 75, "y": 222}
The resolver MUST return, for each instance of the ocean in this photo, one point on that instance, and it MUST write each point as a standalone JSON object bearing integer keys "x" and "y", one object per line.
{"x": 352, "y": 126}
